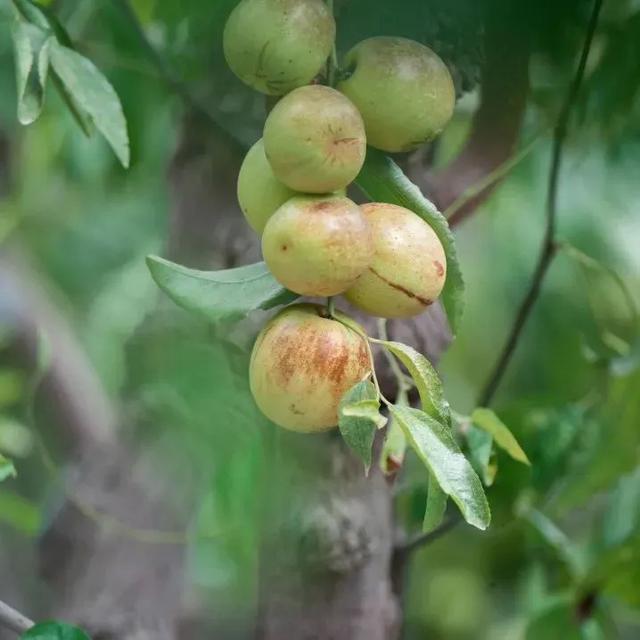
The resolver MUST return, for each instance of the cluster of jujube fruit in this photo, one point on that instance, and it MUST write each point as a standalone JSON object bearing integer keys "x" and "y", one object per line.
{"x": 392, "y": 94}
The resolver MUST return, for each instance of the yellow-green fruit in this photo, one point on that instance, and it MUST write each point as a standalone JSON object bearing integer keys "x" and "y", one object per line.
{"x": 260, "y": 193}
{"x": 275, "y": 46}
{"x": 403, "y": 90}
{"x": 301, "y": 365}
{"x": 317, "y": 246}
{"x": 314, "y": 140}
{"x": 409, "y": 266}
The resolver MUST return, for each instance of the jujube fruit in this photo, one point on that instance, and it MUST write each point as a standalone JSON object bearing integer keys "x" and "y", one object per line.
{"x": 301, "y": 365}
{"x": 409, "y": 267}
{"x": 275, "y": 46}
{"x": 317, "y": 245}
{"x": 314, "y": 140}
{"x": 260, "y": 193}
{"x": 403, "y": 90}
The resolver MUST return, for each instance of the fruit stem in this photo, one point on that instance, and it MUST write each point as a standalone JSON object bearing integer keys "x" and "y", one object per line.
{"x": 331, "y": 306}
{"x": 405, "y": 384}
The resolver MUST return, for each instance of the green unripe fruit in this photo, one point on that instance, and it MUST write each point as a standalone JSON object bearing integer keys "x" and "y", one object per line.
{"x": 317, "y": 246}
{"x": 260, "y": 193}
{"x": 409, "y": 267}
{"x": 302, "y": 364}
{"x": 403, "y": 90}
{"x": 314, "y": 140}
{"x": 275, "y": 46}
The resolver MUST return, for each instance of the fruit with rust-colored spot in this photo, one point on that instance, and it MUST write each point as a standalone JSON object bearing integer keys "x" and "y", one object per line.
{"x": 301, "y": 365}
{"x": 403, "y": 90}
{"x": 409, "y": 267}
{"x": 314, "y": 140}
{"x": 260, "y": 193}
{"x": 275, "y": 46}
{"x": 317, "y": 245}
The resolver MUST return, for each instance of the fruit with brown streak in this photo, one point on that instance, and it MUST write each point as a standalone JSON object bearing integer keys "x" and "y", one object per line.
{"x": 317, "y": 246}
{"x": 314, "y": 140}
{"x": 275, "y": 46}
{"x": 409, "y": 267}
{"x": 301, "y": 365}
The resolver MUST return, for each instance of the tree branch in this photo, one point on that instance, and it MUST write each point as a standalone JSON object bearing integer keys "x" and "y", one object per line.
{"x": 14, "y": 620}
{"x": 549, "y": 246}
{"x": 422, "y": 539}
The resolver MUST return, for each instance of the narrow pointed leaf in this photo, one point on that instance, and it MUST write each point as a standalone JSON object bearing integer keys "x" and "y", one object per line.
{"x": 219, "y": 295}
{"x": 31, "y": 13}
{"x": 436, "y": 506}
{"x": 359, "y": 418}
{"x": 93, "y": 93}
{"x": 7, "y": 470}
{"x": 481, "y": 454}
{"x": 31, "y": 46}
{"x": 436, "y": 446}
{"x": 488, "y": 421}
{"x": 382, "y": 180}
{"x": 425, "y": 377}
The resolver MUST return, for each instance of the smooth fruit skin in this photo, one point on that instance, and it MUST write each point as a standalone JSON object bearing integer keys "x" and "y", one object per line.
{"x": 260, "y": 193}
{"x": 301, "y": 365}
{"x": 275, "y": 46}
{"x": 317, "y": 246}
{"x": 314, "y": 140}
{"x": 409, "y": 267}
{"x": 403, "y": 90}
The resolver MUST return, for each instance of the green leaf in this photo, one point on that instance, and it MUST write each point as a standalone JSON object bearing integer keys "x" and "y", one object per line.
{"x": 31, "y": 46}
{"x": 487, "y": 420}
{"x": 219, "y": 295}
{"x": 359, "y": 418}
{"x": 382, "y": 180}
{"x": 20, "y": 513}
{"x": 425, "y": 376}
{"x": 435, "y": 445}
{"x": 436, "y": 506}
{"x": 7, "y": 470}
{"x": 54, "y": 631}
{"x": 93, "y": 93}
{"x": 621, "y": 520}
{"x": 480, "y": 445}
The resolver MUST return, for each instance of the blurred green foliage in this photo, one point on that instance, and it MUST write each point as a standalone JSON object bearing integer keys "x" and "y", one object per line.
{"x": 562, "y": 556}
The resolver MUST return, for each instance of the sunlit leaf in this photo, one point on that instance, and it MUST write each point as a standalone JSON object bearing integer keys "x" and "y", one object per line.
{"x": 359, "y": 418}
{"x": 219, "y": 295}
{"x": 487, "y": 420}
{"x": 425, "y": 377}
{"x": 94, "y": 94}
{"x": 436, "y": 446}
{"x": 382, "y": 180}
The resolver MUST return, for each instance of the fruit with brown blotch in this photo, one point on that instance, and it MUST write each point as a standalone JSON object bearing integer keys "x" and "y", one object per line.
{"x": 260, "y": 193}
{"x": 317, "y": 245}
{"x": 301, "y": 365}
{"x": 409, "y": 267}
{"x": 275, "y": 46}
{"x": 314, "y": 140}
{"x": 403, "y": 90}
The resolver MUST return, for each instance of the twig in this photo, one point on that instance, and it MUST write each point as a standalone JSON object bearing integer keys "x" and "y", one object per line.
{"x": 423, "y": 539}
{"x": 549, "y": 246}
{"x": 404, "y": 384}
{"x": 475, "y": 189}
{"x": 14, "y": 620}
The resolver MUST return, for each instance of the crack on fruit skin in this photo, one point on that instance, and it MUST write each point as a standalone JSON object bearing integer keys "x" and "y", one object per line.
{"x": 439, "y": 268}
{"x": 394, "y": 285}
